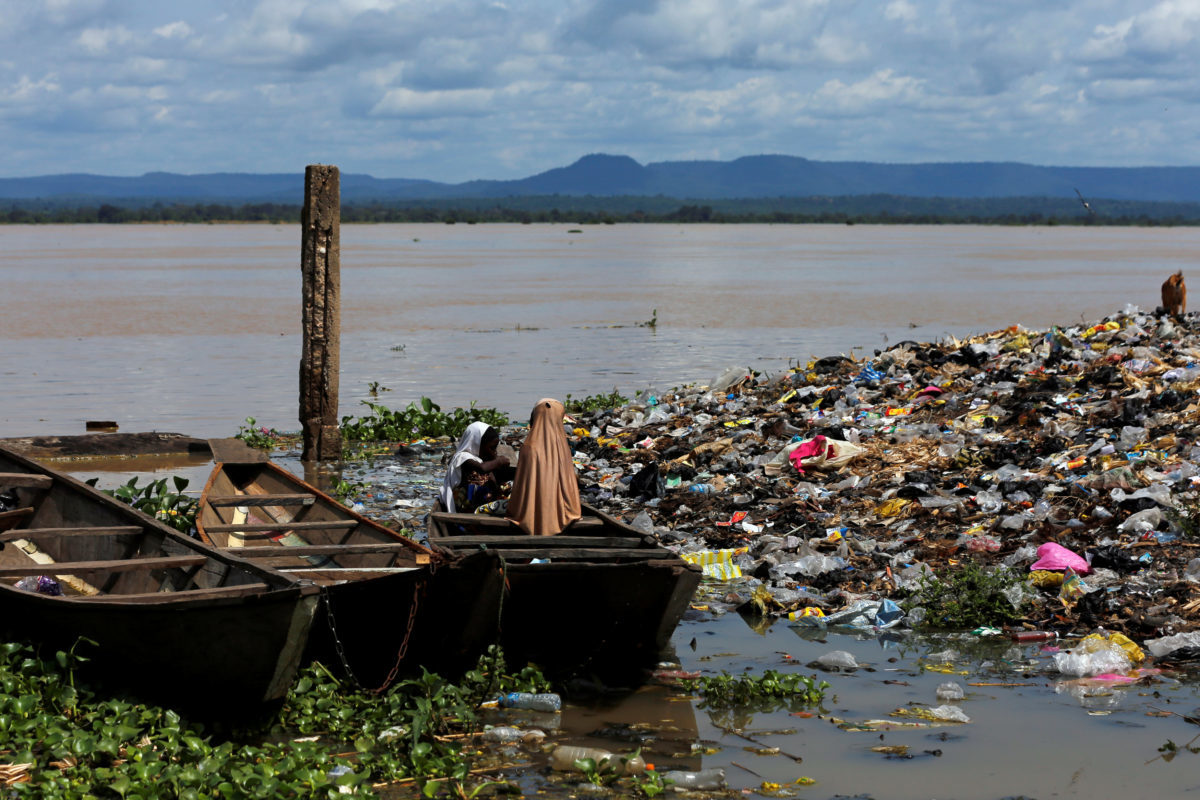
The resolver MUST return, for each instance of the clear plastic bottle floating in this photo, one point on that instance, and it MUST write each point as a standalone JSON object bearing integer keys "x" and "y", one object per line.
{"x": 531, "y": 701}
{"x": 564, "y": 757}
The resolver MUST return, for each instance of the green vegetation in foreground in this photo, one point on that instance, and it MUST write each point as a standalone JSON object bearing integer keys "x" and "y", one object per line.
{"x": 155, "y": 500}
{"x": 76, "y": 745}
{"x": 967, "y": 597}
{"x": 417, "y": 421}
{"x": 770, "y": 691}
{"x": 596, "y": 402}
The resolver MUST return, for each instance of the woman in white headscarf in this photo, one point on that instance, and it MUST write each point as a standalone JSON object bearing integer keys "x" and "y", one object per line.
{"x": 469, "y": 483}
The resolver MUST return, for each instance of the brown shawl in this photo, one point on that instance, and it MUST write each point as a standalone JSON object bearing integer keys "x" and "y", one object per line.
{"x": 545, "y": 492}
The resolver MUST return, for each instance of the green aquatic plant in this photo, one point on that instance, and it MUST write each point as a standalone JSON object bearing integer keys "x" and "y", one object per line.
{"x": 328, "y": 741}
{"x": 595, "y": 402}
{"x": 154, "y": 499}
{"x": 259, "y": 436}
{"x": 418, "y": 420}
{"x": 768, "y": 691}
{"x": 968, "y": 596}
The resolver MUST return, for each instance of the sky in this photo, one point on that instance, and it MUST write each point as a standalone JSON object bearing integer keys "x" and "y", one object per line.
{"x": 454, "y": 90}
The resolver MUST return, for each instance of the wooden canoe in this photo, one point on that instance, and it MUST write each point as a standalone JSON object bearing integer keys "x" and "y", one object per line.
{"x": 387, "y": 601}
{"x": 604, "y": 604}
{"x": 177, "y": 622}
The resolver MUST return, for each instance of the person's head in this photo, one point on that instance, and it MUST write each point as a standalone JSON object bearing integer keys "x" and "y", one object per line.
{"x": 488, "y": 444}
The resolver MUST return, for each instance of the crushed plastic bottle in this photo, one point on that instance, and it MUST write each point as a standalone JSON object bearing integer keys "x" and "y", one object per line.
{"x": 564, "y": 756}
{"x": 707, "y": 779}
{"x": 531, "y": 701}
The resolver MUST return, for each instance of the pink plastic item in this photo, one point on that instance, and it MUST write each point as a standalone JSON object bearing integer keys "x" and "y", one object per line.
{"x": 813, "y": 447}
{"x": 1055, "y": 556}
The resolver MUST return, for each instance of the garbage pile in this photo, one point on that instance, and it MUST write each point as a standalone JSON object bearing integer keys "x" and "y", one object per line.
{"x": 1068, "y": 455}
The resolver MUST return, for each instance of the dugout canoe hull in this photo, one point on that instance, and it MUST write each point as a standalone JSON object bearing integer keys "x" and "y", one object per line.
{"x": 175, "y": 622}
{"x": 389, "y": 606}
{"x": 604, "y": 606}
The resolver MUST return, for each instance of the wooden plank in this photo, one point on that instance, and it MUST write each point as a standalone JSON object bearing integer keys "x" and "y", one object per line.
{"x": 235, "y": 451}
{"x": 46, "y": 533}
{"x": 561, "y": 540}
{"x": 483, "y": 520}
{"x": 120, "y": 565}
{"x": 336, "y": 524}
{"x": 25, "y": 480}
{"x": 323, "y": 549}
{"x": 343, "y": 570}
{"x": 180, "y": 595}
{"x": 14, "y": 517}
{"x": 259, "y": 500}
{"x": 580, "y": 554}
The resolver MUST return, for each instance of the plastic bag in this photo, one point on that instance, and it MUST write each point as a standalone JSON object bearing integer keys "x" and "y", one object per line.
{"x": 1094, "y": 655}
{"x": 838, "y": 659}
{"x": 1054, "y": 556}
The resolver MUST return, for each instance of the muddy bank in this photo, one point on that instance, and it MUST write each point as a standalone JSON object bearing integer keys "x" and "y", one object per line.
{"x": 106, "y": 445}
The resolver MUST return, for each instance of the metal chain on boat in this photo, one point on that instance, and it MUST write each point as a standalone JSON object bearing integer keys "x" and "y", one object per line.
{"x": 419, "y": 589}
{"x": 337, "y": 641}
{"x": 403, "y": 651}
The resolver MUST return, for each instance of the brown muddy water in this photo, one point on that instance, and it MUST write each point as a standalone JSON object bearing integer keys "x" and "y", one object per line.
{"x": 193, "y": 328}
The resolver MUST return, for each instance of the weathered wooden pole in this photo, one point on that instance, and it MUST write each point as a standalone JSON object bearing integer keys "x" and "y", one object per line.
{"x": 320, "y": 265}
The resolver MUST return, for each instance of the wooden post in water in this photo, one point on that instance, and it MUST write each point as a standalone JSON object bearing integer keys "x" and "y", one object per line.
{"x": 321, "y": 314}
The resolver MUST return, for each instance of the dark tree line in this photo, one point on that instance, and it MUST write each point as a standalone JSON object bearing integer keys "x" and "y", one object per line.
{"x": 869, "y": 209}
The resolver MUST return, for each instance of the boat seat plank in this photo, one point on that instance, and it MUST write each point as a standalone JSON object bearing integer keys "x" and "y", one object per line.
{"x": 45, "y": 533}
{"x": 561, "y": 540}
{"x": 580, "y": 553}
{"x": 488, "y": 521}
{"x": 324, "y": 550}
{"x": 333, "y": 524}
{"x": 25, "y": 480}
{"x": 14, "y": 517}
{"x": 120, "y": 565}
{"x": 482, "y": 520}
{"x": 180, "y": 595}
{"x": 346, "y": 570}
{"x": 258, "y": 500}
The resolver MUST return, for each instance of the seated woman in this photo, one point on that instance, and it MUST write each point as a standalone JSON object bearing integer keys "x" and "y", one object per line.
{"x": 476, "y": 472}
{"x": 545, "y": 492}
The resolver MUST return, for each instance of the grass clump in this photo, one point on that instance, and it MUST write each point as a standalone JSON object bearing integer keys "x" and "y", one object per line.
{"x": 967, "y": 597}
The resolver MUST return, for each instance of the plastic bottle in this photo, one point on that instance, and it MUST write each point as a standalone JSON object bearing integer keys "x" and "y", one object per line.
{"x": 700, "y": 488}
{"x": 1033, "y": 636}
{"x": 564, "y": 757}
{"x": 712, "y": 778}
{"x": 533, "y": 702}
{"x": 506, "y": 735}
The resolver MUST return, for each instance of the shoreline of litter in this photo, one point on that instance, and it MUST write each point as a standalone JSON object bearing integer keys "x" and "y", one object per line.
{"x": 832, "y": 488}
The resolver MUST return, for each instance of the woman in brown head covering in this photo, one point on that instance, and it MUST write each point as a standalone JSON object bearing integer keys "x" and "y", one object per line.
{"x": 545, "y": 493}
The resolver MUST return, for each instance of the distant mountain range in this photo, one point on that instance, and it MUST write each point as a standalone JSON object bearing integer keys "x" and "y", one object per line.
{"x": 766, "y": 176}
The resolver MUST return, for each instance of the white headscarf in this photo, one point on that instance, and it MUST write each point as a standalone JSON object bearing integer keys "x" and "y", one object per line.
{"x": 467, "y": 450}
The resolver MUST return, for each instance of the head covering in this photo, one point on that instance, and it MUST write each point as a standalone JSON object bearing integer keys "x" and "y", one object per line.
{"x": 467, "y": 450}
{"x": 545, "y": 492}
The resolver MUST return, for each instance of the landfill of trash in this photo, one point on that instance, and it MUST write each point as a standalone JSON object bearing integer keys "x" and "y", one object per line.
{"x": 827, "y": 494}
{"x": 833, "y": 489}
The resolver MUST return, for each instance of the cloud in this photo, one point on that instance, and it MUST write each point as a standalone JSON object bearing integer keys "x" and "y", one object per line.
{"x": 98, "y": 41}
{"x": 453, "y": 103}
{"x": 459, "y": 89}
{"x": 174, "y": 30}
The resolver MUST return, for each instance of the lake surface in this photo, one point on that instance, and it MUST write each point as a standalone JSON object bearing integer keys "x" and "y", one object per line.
{"x": 194, "y": 328}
